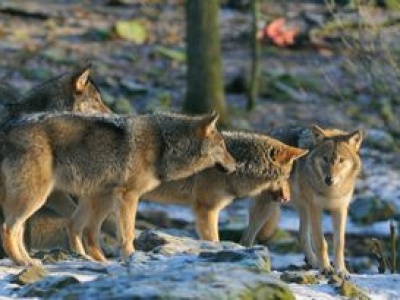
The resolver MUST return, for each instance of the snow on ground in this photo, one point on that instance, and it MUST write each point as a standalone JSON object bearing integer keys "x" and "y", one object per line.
{"x": 385, "y": 287}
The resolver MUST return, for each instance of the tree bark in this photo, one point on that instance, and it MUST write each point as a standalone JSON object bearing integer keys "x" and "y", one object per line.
{"x": 205, "y": 90}
{"x": 255, "y": 54}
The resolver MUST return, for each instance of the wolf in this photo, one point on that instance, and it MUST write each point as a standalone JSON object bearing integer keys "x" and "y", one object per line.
{"x": 324, "y": 179}
{"x": 108, "y": 161}
{"x": 70, "y": 91}
{"x": 262, "y": 163}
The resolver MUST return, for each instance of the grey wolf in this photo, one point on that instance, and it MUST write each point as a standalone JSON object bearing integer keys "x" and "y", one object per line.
{"x": 262, "y": 163}
{"x": 107, "y": 161}
{"x": 70, "y": 91}
{"x": 324, "y": 179}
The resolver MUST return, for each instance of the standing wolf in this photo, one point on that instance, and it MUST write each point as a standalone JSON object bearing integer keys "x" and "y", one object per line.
{"x": 322, "y": 180}
{"x": 262, "y": 163}
{"x": 107, "y": 161}
{"x": 71, "y": 91}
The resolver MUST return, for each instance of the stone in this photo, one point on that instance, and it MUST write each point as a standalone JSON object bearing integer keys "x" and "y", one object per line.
{"x": 180, "y": 267}
{"x": 48, "y": 286}
{"x": 183, "y": 268}
{"x": 349, "y": 289}
{"x": 299, "y": 277}
{"x": 29, "y": 275}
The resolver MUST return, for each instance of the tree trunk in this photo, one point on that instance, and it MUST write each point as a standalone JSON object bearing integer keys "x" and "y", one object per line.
{"x": 205, "y": 90}
{"x": 255, "y": 54}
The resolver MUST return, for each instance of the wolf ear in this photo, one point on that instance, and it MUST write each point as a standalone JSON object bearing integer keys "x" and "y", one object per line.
{"x": 288, "y": 154}
{"x": 81, "y": 78}
{"x": 355, "y": 139}
{"x": 209, "y": 124}
{"x": 319, "y": 133}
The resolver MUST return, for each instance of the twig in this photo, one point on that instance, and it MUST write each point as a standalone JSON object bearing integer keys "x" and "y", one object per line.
{"x": 393, "y": 238}
{"x": 377, "y": 251}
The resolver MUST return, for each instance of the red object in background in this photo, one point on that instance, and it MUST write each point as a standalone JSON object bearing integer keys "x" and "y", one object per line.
{"x": 278, "y": 33}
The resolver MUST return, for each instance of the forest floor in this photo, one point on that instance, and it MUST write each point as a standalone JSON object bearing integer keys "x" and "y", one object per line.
{"x": 341, "y": 71}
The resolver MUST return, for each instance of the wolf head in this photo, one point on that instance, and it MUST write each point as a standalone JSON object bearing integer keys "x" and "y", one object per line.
{"x": 334, "y": 160}
{"x": 72, "y": 91}
{"x": 283, "y": 158}
{"x": 192, "y": 144}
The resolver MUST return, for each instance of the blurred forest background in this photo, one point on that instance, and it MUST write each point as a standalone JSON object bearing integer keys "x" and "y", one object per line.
{"x": 332, "y": 63}
{"x": 341, "y": 56}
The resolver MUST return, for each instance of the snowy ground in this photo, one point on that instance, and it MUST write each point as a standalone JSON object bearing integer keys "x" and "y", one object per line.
{"x": 376, "y": 286}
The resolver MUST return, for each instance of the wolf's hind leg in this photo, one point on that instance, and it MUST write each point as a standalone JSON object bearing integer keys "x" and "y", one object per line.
{"x": 100, "y": 210}
{"x": 126, "y": 222}
{"x": 16, "y": 211}
{"x": 28, "y": 182}
{"x": 76, "y": 225}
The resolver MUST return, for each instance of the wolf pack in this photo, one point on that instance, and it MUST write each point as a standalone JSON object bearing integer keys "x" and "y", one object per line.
{"x": 63, "y": 149}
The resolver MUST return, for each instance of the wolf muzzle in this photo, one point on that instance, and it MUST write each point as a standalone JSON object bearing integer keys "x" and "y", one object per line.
{"x": 224, "y": 169}
{"x": 329, "y": 180}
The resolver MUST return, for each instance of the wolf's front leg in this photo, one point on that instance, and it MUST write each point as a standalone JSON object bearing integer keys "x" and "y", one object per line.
{"x": 126, "y": 222}
{"x": 321, "y": 246}
{"x": 260, "y": 212}
{"x": 207, "y": 222}
{"x": 305, "y": 234}
{"x": 339, "y": 225}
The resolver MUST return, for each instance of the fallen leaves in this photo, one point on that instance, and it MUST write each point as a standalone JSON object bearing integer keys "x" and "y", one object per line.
{"x": 278, "y": 33}
{"x": 133, "y": 30}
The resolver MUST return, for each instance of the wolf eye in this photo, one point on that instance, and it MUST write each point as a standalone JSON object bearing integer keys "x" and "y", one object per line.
{"x": 341, "y": 159}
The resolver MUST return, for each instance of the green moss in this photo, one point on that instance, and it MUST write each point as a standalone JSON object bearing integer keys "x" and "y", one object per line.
{"x": 349, "y": 289}
{"x": 299, "y": 277}
{"x": 268, "y": 291}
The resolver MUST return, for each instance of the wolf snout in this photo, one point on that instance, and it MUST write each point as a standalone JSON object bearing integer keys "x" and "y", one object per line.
{"x": 227, "y": 166}
{"x": 329, "y": 180}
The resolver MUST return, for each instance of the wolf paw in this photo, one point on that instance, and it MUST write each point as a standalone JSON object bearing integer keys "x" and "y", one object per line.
{"x": 343, "y": 273}
{"x": 312, "y": 261}
{"x": 327, "y": 271}
{"x": 30, "y": 263}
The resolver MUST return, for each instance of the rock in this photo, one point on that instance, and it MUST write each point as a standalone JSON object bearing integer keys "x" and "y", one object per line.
{"x": 370, "y": 210}
{"x": 254, "y": 256}
{"x": 268, "y": 292}
{"x": 352, "y": 291}
{"x": 190, "y": 269}
{"x": 56, "y": 255}
{"x": 163, "y": 243}
{"x": 29, "y": 275}
{"x": 299, "y": 277}
{"x": 48, "y": 286}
